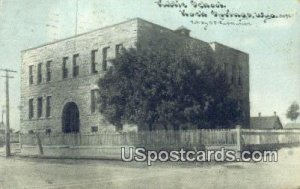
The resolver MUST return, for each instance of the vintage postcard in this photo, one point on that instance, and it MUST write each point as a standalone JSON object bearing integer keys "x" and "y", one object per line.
{"x": 150, "y": 94}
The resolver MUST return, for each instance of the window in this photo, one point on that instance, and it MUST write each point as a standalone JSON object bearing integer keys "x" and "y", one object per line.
{"x": 65, "y": 67}
{"x": 75, "y": 66}
{"x": 48, "y": 106}
{"x": 39, "y": 72}
{"x": 40, "y": 107}
{"x": 104, "y": 61}
{"x": 226, "y": 71}
{"x": 233, "y": 74}
{"x": 93, "y": 61}
{"x": 225, "y": 66}
{"x": 31, "y": 74}
{"x": 239, "y": 102}
{"x": 94, "y": 98}
{"x": 48, "y": 131}
{"x": 119, "y": 49}
{"x": 48, "y": 70}
{"x": 119, "y": 127}
{"x": 94, "y": 129}
{"x": 104, "y": 102}
{"x": 240, "y": 76}
{"x": 30, "y": 104}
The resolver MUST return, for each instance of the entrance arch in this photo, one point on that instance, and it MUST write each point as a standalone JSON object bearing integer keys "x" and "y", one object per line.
{"x": 70, "y": 118}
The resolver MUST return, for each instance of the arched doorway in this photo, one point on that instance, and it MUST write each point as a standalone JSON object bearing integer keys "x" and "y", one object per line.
{"x": 70, "y": 118}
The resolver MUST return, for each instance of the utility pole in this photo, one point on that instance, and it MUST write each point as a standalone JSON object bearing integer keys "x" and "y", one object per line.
{"x": 76, "y": 19}
{"x": 2, "y": 114}
{"x": 7, "y": 129}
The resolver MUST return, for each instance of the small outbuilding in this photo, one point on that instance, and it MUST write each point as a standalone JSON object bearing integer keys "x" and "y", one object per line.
{"x": 292, "y": 126}
{"x": 265, "y": 122}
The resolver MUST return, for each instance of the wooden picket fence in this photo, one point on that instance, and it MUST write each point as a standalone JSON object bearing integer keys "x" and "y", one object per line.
{"x": 259, "y": 137}
{"x": 161, "y": 139}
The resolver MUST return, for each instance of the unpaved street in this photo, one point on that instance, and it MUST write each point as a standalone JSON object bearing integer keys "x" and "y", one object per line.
{"x": 30, "y": 173}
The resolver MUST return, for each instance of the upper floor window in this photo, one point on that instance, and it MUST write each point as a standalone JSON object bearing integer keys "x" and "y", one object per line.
{"x": 93, "y": 61}
{"x": 75, "y": 65}
{"x": 30, "y": 107}
{"x": 31, "y": 74}
{"x": 40, "y": 107}
{"x": 233, "y": 74}
{"x": 65, "y": 67}
{"x": 240, "y": 76}
{"x": 119, "y": 49}
{"x": 104, "y": 60}
{"x": 39, "y": 72}
{"x": 225, "y": 67}
{"x": 48, "y": 70}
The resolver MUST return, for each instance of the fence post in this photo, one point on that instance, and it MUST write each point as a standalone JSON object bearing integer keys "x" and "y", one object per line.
{"x": 238, "y": 140}
{"x": 39, "y": 143}
{"x": 20, "y": 140}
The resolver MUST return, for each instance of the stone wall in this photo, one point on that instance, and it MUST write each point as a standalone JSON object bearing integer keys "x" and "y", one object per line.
{"x": 78, "y": 90}
{"x": 70, "y": 89}
{"x": 151, "y": 35}
{"x": 235, "y": 61}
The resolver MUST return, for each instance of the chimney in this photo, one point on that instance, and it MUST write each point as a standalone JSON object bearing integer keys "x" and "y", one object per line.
{"x": 259, "y": 114}
{"x": 275, "y": 114}
{"x": 183, "y": 31}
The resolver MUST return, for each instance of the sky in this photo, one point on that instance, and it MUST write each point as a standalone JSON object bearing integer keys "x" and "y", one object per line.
{"x": 273, "y": 47}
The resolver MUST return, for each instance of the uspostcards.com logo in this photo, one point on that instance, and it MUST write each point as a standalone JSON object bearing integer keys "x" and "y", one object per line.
{"x": 222, "y": 155}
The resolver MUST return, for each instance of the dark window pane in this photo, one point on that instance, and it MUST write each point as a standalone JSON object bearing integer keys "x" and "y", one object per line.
{"x": 39, "y": 72}
{"x": 65, "y": 67}
{"x": 75, "y": 65}
{"x": 48, "y": 69}
{"x": 40, "y": 107}
{"x": 104, "y": 61}
{"x": 48, "y": 106}
{"x": 30, "y": 109}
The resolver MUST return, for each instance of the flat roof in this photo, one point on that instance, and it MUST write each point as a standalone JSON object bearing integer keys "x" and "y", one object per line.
{"x": 81, "y": 34}
{"x": 129, "y": 20}
{"x": 214, "y": 42}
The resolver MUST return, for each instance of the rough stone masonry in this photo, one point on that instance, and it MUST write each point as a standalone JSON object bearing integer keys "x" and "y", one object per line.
{"x": 59, "y": 79}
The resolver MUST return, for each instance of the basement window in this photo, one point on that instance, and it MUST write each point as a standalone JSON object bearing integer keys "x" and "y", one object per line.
{"x": 94, "y": 129}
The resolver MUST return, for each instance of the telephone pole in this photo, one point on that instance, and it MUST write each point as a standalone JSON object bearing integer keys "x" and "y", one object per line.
{"x": 76, "y": 18}
{"x": 7, "y": 129}
{"x": 2, "y": 114}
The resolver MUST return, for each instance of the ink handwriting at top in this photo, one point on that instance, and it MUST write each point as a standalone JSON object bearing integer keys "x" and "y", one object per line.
{"x": 211, "y": 13}
{"x": 195, "y": 4}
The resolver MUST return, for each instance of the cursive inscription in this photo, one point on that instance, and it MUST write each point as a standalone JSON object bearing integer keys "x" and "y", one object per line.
{"x": 217, "y": 13}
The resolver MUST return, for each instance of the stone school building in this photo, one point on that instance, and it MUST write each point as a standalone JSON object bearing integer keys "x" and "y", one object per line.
{"x": 59, "y": 79}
